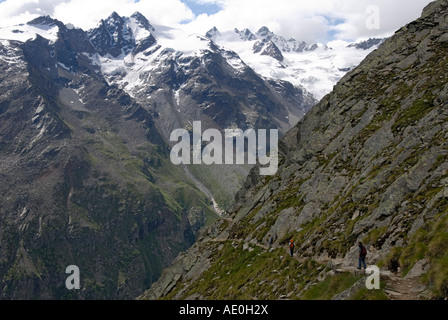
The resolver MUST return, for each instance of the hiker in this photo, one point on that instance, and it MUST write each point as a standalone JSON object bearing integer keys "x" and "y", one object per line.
{"x": 271, "y": 241}
{"x": 362, "y": 255}
{"x": 291, "y": 247}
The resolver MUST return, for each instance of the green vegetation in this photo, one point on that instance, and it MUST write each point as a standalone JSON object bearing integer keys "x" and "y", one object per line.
{"x": 374, "y": 235}
{"x": 285, "y": 199}
{"x": 242, "y": 274}
{"x": 431, "y": 243}
{"x": 365, "y": 294}
{"x": 81, "y": 217}
{"x": 145, "y": 171}
{"x": 222, "y": 181}
{"x": 413, "y": 114}
{"x": 330, "y": 287}
{"x": 324, "y": 160}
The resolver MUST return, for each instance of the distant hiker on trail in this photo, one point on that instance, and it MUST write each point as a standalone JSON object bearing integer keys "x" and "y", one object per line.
{"x": 271, "y": 241}
{"x": 291, "y": 248}
{"x": 362, "y": 255}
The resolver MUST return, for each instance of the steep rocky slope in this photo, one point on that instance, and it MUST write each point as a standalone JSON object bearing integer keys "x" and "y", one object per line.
{"x": 368, "y": 163}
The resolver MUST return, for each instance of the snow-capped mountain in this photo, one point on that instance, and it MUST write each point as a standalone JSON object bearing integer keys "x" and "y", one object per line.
{"x": 368, "y": 44}
{"x": 45, "y": 27}
{"x": 316, "y": 67}
{"x": 268, "y": 48}
{"x": 119, "y": 36}
{"x": 291, "y": 45}
{"x": 246, "y": 34}
{"x": 312, "y": 66}
{"x": 85, "y": 120}
{"x": 186, "y": 77}
{"x": 236, "y": 78}
{"x": 176, "y": 76}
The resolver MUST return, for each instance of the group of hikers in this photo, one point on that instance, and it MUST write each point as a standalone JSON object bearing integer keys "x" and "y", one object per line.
{"x": 362, "y": 253}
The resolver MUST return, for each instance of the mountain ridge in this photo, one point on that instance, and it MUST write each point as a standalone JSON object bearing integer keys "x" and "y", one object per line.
{"x": 314, "y": 66}
{"x": 60, "y": 207}
{"x": 184, "y": 78}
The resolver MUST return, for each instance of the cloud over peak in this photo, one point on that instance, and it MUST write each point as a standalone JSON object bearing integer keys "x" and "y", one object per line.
{"x": 312, "y": 21}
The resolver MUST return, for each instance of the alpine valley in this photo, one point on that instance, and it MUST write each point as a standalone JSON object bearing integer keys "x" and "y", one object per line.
{"x": 368, "y": 163}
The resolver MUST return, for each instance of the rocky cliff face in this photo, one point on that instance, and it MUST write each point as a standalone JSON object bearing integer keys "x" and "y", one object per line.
{"x": 116, "y": 36}
{"x": 86, "y": 177}
{"x": 369, "y": 163}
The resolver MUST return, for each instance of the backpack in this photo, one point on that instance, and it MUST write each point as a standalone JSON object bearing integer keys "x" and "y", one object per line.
{"x": 363, "y": 251}
{"x": 291, "y": 245}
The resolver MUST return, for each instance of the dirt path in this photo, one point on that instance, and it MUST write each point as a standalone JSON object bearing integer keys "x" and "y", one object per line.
{"x": 296, "y": 256}
{"x": 397, "y": 288}
{"x": 404, "y": 289}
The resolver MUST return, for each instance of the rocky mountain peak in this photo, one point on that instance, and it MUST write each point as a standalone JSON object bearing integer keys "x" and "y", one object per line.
{"x": 114, "y": 18}
{"x": 290, "y": 45}
{"x": 268, "y": 48}
{"x": 365, "y": 45}
{"x": 212, "y": 33}
{"x": 112, "y": 36}
{"x": 119, "y": 36}
{"x": 142, "y": 21}
{"x": 245, "y": 35}
{"x": 264, "y": 32}
{"x": 44, "y": 20}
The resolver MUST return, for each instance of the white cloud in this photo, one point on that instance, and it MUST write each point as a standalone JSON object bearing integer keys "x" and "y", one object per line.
{"x": 309, "y": 20}
{"x": 13, "y": 12}
{"x": 312, "y": 20}
{"x": 166, "y": 12}
{"x": 87, "y": 13}
{"x": 388, "y": 15}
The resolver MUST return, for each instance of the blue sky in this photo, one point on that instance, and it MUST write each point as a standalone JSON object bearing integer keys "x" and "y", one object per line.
{"x": 332, "y": 33}
{"x": 198, "y": 8}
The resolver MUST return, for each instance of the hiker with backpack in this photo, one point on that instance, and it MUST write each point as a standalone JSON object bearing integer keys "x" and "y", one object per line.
{"x": 271, "y": 241}
{"x": 291, "y": 247}
{"x": 362, "y": 255}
